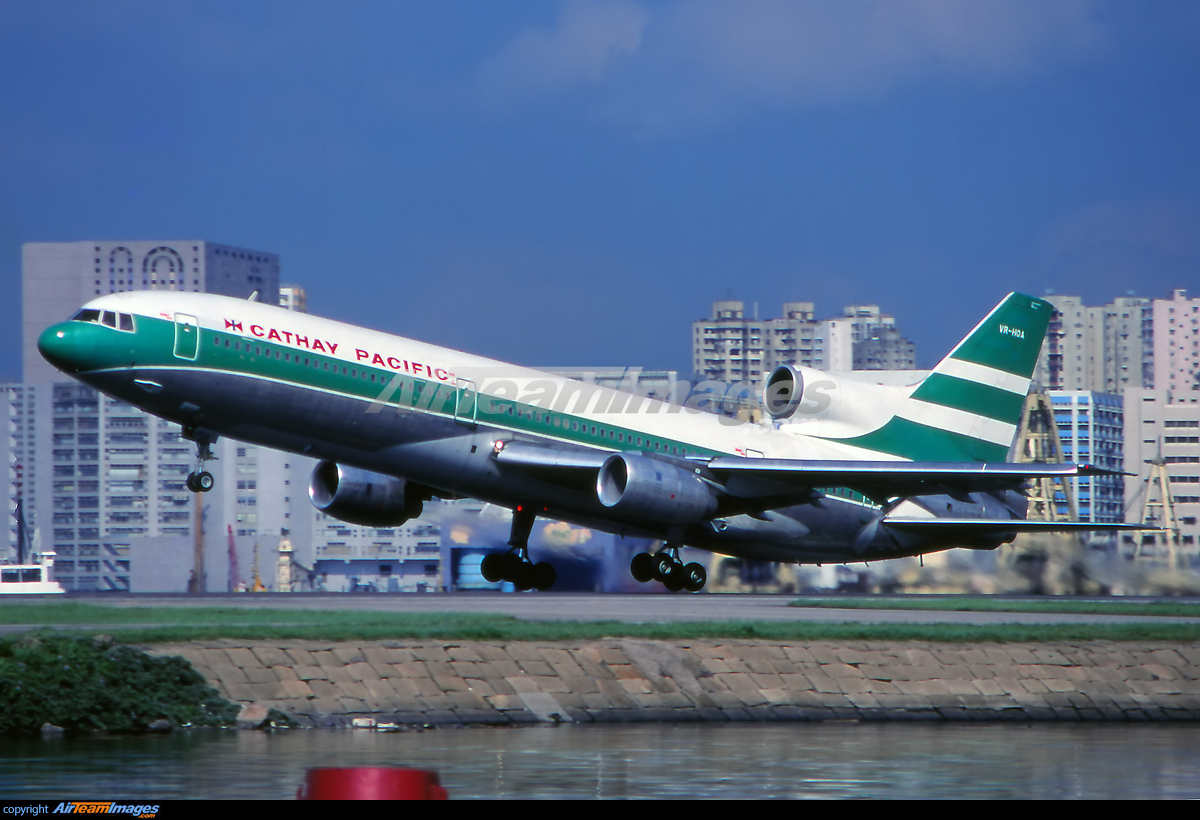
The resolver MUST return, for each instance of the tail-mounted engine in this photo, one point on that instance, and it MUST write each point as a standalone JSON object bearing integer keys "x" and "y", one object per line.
{"x": 782, "y": 392}
{"x": 650, "y": 490}
{"x": 362, "y": 497}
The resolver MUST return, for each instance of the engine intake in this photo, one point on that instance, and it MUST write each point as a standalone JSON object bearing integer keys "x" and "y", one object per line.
{"x": 362, "y": 497}
{"x": 647, "y": 489}
{"x": 783, "y": 392}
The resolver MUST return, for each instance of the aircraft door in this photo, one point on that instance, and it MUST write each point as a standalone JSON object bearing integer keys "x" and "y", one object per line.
{"x": 187, "y": 337}
{"x": 466, "y": 402}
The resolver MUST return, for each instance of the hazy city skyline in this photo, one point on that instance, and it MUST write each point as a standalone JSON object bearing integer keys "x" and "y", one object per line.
{"x": 573, "y": 183}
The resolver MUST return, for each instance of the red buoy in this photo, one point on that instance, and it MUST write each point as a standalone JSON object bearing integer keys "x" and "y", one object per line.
{"x": 371, "y": 783}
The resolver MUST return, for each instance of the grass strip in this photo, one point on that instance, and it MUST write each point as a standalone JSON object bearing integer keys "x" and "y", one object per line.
{"x": 171, "y": 625}
{"x": 992, "y": 604}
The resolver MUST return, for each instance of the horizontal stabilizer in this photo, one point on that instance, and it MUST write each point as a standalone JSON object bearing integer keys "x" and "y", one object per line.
{"x": 888, "y": 479}
{"x": 980, "y": 526}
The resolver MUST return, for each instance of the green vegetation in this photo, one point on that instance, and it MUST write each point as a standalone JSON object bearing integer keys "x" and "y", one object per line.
{"x": 981, "y": 603}
{"x": 147, "y": 625}
{"x": 80, "y": 683}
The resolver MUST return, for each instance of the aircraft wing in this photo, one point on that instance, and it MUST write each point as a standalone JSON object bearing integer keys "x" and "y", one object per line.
{"x": 766, "y": 483}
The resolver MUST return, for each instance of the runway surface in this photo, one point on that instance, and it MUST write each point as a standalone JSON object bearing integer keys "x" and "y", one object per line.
{"x": 608, "y": 607}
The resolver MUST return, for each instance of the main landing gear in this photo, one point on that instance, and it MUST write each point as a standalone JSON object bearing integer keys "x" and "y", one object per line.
{"x": 514, "y": 566}
{"x": 200, "y": 480}
{"x": 666, "y": 567}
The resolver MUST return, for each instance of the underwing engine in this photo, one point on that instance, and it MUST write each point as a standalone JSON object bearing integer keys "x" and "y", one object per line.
{"x": 362, "y": 497}
{"x": 646, "y": 489}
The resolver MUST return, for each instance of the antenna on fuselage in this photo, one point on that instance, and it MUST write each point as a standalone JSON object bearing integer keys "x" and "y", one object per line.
{"x": 253, "y": 297}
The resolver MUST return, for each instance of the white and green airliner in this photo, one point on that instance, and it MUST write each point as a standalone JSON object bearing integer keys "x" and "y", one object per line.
{"x": 837, "y": 470}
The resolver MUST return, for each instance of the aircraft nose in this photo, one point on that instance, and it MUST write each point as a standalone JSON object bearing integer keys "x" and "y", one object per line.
{"x": 63, "y": 347}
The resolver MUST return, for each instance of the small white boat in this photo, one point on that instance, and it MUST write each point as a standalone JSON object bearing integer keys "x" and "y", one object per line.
{"x": 30, "y": 579}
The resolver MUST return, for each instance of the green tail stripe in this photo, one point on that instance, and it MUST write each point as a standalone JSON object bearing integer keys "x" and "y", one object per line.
{"x": 971, "y": 397}
{"x": 919, "y": 442}
{"x": 1010, "y": 338}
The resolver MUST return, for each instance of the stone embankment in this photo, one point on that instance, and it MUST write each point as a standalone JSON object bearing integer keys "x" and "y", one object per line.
{"x": 471, "y": 682}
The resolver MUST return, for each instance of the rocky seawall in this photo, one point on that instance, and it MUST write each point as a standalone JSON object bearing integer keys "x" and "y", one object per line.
{"x": 477, "y": 682}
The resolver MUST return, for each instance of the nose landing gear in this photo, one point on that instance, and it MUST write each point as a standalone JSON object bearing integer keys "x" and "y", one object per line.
{"x": 200, "y": 480}
{"x": 514, "y": 566}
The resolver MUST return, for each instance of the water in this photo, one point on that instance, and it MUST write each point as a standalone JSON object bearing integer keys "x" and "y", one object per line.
{"x": 835, "y": 760}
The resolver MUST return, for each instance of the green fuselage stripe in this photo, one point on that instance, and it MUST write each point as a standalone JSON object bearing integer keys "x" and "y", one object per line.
{"x": 919, "y": 442}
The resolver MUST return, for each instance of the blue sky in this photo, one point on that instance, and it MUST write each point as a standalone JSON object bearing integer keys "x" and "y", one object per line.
{"x": 572, "y": 183}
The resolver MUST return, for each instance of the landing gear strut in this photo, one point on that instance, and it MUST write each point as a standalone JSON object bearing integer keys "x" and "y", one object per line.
{"x": 514, "y": 566}
{"x": 666, "y": 567}
{"x": 200, "y": 480}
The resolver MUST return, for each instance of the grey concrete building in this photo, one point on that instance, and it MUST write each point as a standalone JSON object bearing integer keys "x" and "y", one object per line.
{"x": 1162, "y": 453}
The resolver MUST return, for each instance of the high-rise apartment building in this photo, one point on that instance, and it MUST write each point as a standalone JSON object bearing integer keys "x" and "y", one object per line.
{"x": 17, "y": 428}
{"x": 1132, "y": 342}
{"x": 1106, "y": 349}
{"x": 99, "y": 476}
{"x": 1091, "y": 429}
{"x": 1148, "y": 352}
{"x": 1177, "y": 346}
{"x": 730, "y": 347}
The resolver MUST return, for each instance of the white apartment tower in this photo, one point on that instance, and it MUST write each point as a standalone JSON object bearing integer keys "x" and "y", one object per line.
{"x": 1132, "y": 342}
{"x": 1177, "y": 346}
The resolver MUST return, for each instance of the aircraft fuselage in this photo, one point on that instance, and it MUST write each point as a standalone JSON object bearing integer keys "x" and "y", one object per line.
{"x": 438, "y": 417}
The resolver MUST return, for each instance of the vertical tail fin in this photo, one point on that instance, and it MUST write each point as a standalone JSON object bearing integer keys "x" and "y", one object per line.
{"x": 978, "y": 390}
{"x": 969, "y": 406}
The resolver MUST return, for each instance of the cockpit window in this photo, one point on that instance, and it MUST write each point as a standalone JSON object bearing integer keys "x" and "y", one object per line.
{"x": 123, "y": 321}
{"x": 108, "y": 318}
{"x": 87, "y": 315}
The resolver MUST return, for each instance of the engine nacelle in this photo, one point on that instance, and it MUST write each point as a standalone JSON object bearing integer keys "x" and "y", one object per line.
{"x": 362, "y": 497}
{"x": 783, "y": 391}
{"x": 647, "y": 489}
